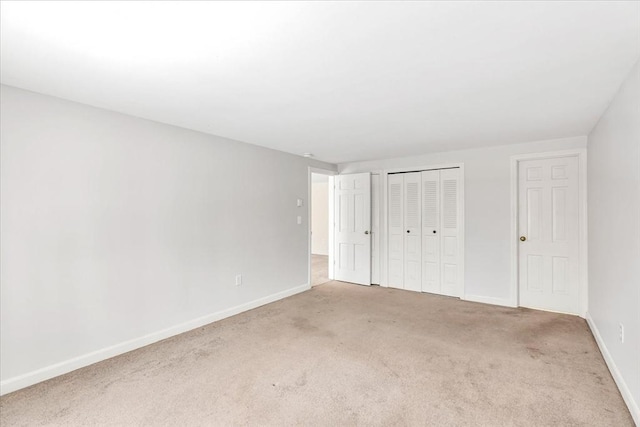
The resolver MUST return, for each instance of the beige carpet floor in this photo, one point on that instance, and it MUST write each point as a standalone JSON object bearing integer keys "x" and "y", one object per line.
{"x": 344, "y": 354}
{"x": 319, "y": 269}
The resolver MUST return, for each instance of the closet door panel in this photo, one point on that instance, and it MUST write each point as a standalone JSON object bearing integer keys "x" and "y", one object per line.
{"x": 412, "y": 226}
{"x": 450, "y": 232}
{"x": 430, "y": 231}
{"x": 395, "y": 184}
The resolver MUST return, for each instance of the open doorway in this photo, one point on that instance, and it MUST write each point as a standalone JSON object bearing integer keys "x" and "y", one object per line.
{"x": 320, "y": 230}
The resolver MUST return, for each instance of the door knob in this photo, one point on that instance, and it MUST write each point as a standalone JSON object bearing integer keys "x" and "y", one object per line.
{"x": 408, "y": 231}
{"x": 522, "y": 238}
{"x": 434, "y": 231}
{"x": 366, "y": 232}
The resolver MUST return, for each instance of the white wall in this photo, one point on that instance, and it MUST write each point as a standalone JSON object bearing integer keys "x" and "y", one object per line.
{"x": 614, "y": 236}
{"x": 487, "y": 208}
{"x": 320, "y": 216}
{"x": 115, "y": 228}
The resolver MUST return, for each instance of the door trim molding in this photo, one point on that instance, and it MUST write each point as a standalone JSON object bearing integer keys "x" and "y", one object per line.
{"x": 384, "y": 235}
{"x": 581, "y": 154}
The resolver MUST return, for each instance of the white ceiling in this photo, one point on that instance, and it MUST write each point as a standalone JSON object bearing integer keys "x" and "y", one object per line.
{"x": 343, "y": 80}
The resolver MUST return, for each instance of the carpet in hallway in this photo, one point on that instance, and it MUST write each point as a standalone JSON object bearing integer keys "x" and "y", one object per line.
{"x": 319, "y": 269}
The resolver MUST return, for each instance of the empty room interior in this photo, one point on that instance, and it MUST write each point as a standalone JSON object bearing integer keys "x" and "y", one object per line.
{"x": 320, "y": 213}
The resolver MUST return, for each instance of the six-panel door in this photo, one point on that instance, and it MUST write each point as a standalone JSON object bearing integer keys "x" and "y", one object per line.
{"x": 352, "y": 228}
{"x": 548, "y": 223}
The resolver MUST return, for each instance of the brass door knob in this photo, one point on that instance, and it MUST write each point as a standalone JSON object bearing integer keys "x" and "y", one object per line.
{"x": 522, "y": 238}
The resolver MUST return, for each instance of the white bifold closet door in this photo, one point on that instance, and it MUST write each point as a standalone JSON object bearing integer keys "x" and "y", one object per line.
{"x": 450, "y": 236}
{"x": 396, "y": 231}
{"x": 430, "y": 228}
{"x": 412, "y": 240}
{"x": 425, "y": 248}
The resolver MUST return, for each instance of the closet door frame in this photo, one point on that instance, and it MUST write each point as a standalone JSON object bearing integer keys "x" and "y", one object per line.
{"x": 384, "y": 238}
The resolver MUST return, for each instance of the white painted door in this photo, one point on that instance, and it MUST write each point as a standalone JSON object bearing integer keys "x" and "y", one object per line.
{"x": 352, "y": 228}
{"x": 431, "y": 231}
{"x": 450, "y": 233}
{"x": 548, "y": 223}
{"x": 375, "y": 229}
{"x": 425, "y": 231}
{"x": 395, "y": 246}
{"x": 412, "y": 238}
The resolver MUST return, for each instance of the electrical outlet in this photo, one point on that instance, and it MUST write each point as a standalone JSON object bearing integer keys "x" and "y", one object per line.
{"x": 239, "y": 280}
{"x": 621, "y": 333}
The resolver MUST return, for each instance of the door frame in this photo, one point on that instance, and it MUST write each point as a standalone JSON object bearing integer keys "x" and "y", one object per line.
{"x": 384, "y": 235}
{"x": 330, "y": 173}
{"x": 581, "y": 154}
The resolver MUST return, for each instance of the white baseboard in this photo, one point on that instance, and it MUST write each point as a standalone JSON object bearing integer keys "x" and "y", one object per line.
{"x": 615, "y": 373}
{"x": 34, "y": 377}
{"x": 505, "y": 302}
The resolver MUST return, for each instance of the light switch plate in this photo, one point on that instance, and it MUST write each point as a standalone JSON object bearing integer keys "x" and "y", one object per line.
{"x": 299, "y": 202}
